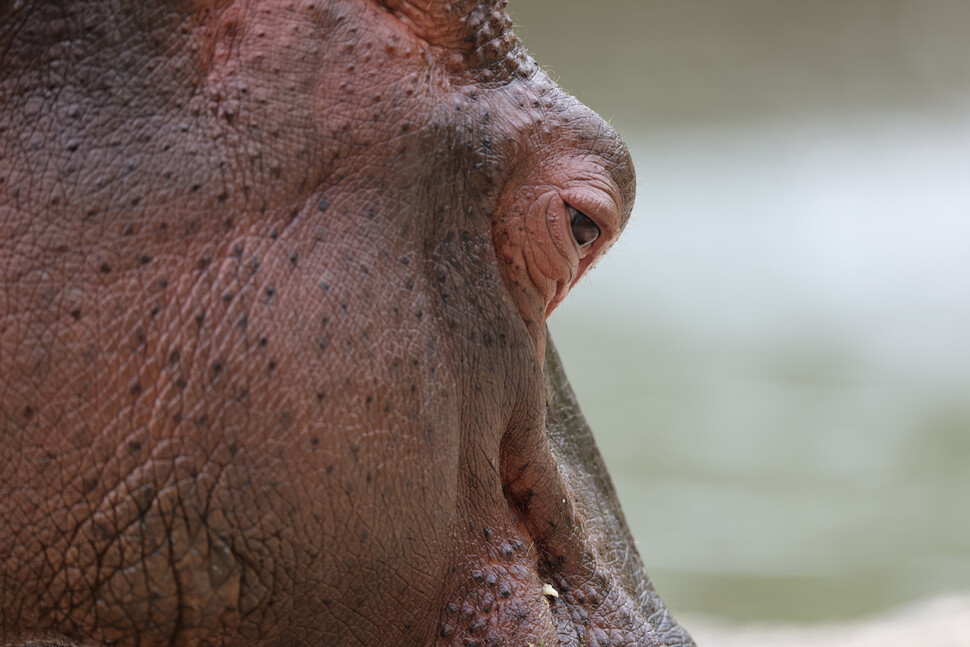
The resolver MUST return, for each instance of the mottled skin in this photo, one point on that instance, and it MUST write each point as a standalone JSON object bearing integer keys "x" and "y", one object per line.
{"x": 273, "y": 360}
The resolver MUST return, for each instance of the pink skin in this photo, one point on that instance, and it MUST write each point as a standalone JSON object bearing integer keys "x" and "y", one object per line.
{"x": 543, "y": 261}
{"x": 275, "y": 279}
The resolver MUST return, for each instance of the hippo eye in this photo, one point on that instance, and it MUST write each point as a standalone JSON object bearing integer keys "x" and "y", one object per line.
{"x": 585, "y": 230}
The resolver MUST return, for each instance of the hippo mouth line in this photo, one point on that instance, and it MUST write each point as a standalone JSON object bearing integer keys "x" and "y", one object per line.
{"x": 581, "y": 592}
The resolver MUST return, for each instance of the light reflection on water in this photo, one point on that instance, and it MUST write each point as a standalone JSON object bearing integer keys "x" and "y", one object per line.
{"x": 776, "y": 361}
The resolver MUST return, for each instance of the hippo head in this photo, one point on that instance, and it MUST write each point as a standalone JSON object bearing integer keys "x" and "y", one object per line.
{"x": 274, "y": 364}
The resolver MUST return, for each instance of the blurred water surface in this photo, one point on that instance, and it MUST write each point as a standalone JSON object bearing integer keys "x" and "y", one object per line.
{"x": 776, "y": 356}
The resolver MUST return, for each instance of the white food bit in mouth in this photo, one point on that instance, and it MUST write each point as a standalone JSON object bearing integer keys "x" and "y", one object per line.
{"x": 549, "y": 591}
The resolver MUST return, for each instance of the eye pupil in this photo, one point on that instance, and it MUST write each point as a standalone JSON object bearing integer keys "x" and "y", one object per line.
{"x": 584, "y": 229}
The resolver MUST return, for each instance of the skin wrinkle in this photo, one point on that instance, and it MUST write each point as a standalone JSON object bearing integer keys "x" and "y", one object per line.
{"x": 604, "y": 151}
{"x": 568, "y": 250}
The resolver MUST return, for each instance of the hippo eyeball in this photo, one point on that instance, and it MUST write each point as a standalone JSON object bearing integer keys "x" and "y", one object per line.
{"x": 585, "y": 231}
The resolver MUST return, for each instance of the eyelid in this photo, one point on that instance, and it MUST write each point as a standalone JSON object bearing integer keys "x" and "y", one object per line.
{"x": 597, "y": 205}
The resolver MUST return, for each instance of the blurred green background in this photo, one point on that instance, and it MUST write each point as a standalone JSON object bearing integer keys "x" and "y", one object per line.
{"x": 776, "y": 356}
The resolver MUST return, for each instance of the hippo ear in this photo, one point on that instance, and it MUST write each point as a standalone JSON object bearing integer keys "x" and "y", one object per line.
{"x": 477, "y": 33}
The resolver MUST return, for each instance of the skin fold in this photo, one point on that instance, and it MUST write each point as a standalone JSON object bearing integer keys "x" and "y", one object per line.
{"x": 273, "y": 360}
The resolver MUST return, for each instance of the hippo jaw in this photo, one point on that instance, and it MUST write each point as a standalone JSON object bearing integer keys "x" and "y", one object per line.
{"x": 572, "y": 444}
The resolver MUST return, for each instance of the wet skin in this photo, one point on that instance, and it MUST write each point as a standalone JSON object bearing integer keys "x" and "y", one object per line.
{"x": 273, "y": 360}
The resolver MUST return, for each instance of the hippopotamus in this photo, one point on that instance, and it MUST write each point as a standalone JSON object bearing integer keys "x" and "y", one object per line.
{"x": 274, "y": 367}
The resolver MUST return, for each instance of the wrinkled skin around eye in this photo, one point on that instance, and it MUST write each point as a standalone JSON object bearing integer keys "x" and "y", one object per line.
{"x": 537, "y": 247}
